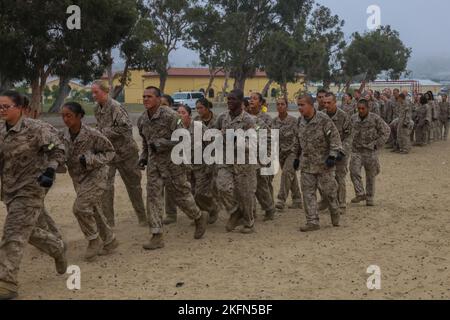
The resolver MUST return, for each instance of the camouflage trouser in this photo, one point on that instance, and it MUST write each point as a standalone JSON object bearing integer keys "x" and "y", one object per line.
{"x": 444, "y": 124}
{"x": 437, "y": 130}
{"x": 422, "y": 135}
{"x": 23, "y": 224}
{"x": 369, "y": 160}
{"x": 176, "y": 185}
{"x": 310, "y": 184}
{"x": 236, "y": 186}
{"x": 87, "y": 208}
{"x": 403, "y": 138}
{"x": 131, "y": 176}
{"x": 289, "y": 181}
{"x": 264, "y": 192}
{"x": 204, "y": 190}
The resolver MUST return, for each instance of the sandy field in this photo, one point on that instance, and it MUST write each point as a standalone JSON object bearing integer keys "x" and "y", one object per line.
{"x": 407, "y": 234}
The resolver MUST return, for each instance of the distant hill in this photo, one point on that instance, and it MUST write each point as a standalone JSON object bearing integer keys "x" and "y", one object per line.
{"x": 435, "y": 68}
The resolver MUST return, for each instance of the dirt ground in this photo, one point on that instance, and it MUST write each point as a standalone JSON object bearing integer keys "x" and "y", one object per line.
{"x": 407, "y": 234}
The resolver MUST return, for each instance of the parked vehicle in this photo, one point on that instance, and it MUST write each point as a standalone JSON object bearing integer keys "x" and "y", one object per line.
{"x": 187, "y": 98}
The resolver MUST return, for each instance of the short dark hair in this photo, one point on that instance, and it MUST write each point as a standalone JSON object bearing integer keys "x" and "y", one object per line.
{"x": 187, "y": 108}
{"x": 156, "y": 89}
{"x": 322, "y": 91}
{"x": 331, "y": 94}
{"x": 285, "y": 100}
{"x": 364, "y": 102}
{"x": 75, "y": 107}
{"x": 169, "y": 99}
{"x": 309, "y": 99}
{"x": 238, "y": 93}
{"x": 423, "y": 99}
{"x": 260, "y": 97}
{"x": 205, "y": 102}
{"x": 15, "y": 96}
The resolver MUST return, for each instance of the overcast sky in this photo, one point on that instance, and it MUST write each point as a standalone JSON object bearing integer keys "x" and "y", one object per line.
{"x": 423, "y": 25}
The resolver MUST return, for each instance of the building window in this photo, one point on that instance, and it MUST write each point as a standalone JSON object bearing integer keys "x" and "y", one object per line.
{"x": 211, "y": 93}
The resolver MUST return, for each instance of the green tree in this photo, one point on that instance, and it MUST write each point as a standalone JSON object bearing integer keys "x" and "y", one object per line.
{"x": 169, "y": 26}
{"x": 374, "y": 52}
{"x": 45, "y": 46}
{"x": 206, "y": 37}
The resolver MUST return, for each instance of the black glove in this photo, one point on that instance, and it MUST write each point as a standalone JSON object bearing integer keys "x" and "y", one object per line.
{"x": 142, "y": 164}
{"x": 153, "y": 147}
{"x": 296, "y": 164}
{"x": 330, "y": 162}
{"x": 340, "y": 156}
{"x": 47, "y": 178}
{"x": 83, "y": 161}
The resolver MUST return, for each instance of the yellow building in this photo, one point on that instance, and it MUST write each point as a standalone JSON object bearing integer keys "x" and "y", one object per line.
{"x": 197, "y": 79}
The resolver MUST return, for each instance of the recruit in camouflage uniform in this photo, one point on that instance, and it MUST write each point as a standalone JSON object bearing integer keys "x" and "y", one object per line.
{"x": 289, "y": 181}
{"x": 342, "y": 122}
{"x": 28, "y": 151}
{"x": 202, "y": 179}
{"x": 236, "y": 183}
{"x": 264, "y": 185}
{"x": 318, "y": 142}
{"x": 422, "y": 122}
{"x": 435, "y": 124}
{"x": 89, "y": 180}
{"x": 404, "y": 127}
{"x": 444, "y": 117}
{"x": 369, "y": 135}
{"x": 156, "y": 131}
{"x": 113, "y": 121}
{"x": 202, "y": 176}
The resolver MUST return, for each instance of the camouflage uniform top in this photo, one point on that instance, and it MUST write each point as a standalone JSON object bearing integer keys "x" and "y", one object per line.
{"x": 264, "y": 117}
{"x": 98, "y": 152}
{"x": 343, "y": 123}
{"x": 317, "y": 139}
{"x": 157, "y": 130}
{"x": 434, "y": 107}
{"x": 26, "y": 150}
{"x": 349, "y": 108}
{"x": 422, "y": 115}
{"x": 287, "y": 134}
{"x": 444, "y": 111}
{"x": 242, "y": 121}
{"x": 391, "y": 109}
{"x": 374, "y": 107}
{"x": 404, "y": 114}
{"x": 370, "y": 133}
{"x": 113, "y": 121}
{"x": 208, "y": 123}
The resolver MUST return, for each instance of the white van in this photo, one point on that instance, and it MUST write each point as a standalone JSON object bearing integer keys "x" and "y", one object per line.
{"x": 187, "y": 98}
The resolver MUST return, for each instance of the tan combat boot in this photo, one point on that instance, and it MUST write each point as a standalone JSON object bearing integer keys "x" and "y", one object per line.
{"x": 335, "y": 217}
{"x": 93, "y": 249}
{"x": 269, "y": 216}
{"x": 309, "y": 227}
{"x": 109, "y": 248}
{"x": 279, "y": 205}
{"x": 156, "y": 242}
{"x": 296, "y": 205}
{"x": 248, "y": 230}
{"x": 61, "y": 260}
{"x": 6, "y": 294}
{"x": 213, "y": 217}
{"x": 169, "y": 220}
{"x": 200, "y": 225}
{"x": 370, "y": 202}
{"x": 359, "y": 199}
{"x": 233, "y": 222}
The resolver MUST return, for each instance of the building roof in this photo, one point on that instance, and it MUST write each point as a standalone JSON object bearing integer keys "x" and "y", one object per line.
{"x": 195, "y": 72}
